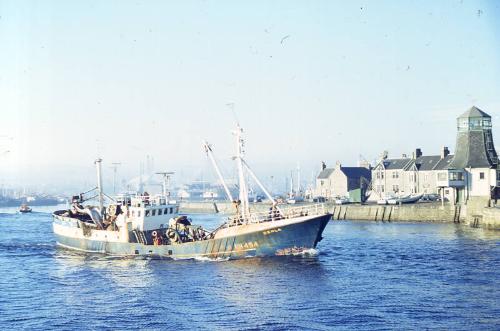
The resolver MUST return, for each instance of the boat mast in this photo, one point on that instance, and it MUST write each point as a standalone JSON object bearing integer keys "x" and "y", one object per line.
{"x": 99, "y": 184}
{"x": 209, "y": 151}
{"x": 245, "y": 210}
{"x": 298, "y": 179}
{"x": 166, "y": 180}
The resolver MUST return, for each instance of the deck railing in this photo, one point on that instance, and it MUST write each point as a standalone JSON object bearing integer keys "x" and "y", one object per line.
{"x": 276, "y": 214}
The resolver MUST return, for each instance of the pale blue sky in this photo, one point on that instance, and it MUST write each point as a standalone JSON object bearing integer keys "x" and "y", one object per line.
{"x": 311, "y": 81}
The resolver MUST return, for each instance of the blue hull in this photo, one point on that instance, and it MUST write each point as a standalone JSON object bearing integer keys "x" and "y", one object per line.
{"x": 280, "y": 240}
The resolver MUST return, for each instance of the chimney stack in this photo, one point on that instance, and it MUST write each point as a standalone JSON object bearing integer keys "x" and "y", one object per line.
{"x": 323, "y": 165}
{"x": 445, "y": 152}
{"x": 418, "y": 153}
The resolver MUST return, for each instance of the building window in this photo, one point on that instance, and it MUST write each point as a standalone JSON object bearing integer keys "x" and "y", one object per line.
{"x": 133, "y": 213}
{"x": 138, "y": 213}
{"x": 322, "y": 182}
{"x": 147, "y": 213}
{"x": 442, "y": 176}
{"x": 456, "y": 176}
{"x": 481, "y": 175}
{"x": 446, "y": 191}
{"x": 171, "y": 210}
{"x": 166, "y": 211}
{"x": 153, "y": 212}
{"x": 395, "y": 188}
{"x": 159, "y": 212}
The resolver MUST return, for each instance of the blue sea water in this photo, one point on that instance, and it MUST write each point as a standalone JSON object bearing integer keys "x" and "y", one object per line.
{"x": 365, "y": 276}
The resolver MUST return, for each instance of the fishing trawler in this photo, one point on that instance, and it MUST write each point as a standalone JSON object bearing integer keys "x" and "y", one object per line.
{"x": 152, "y": 226}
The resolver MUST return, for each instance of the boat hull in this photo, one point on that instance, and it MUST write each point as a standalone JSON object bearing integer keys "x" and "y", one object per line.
{"x": 267, "y": 239}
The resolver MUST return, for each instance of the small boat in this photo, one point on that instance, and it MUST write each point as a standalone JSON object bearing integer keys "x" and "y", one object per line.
{"x": 342, "y": 201}
{"x": 295, "y": 196}
{"x": 294, "y": 199}
{"x": 25, "y": 208}
{"x": 210, "y": 195}
{"x": 152, "y": 226}
{"x": 405, "y": 199}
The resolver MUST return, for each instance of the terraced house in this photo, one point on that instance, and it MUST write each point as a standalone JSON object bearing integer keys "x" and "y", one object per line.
{"x": 409, "y": 175}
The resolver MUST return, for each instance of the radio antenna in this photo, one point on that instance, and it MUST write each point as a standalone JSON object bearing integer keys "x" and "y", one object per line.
{"x": 231, "y": 107}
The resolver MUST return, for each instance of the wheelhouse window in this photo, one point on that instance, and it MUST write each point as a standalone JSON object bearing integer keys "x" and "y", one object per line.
{"x": 153, "y": 212}
{"x": 146, "y": 213}
{"x": 171, "y": 210}
{"x": 159, "y": 212}
{"x": 166, "y": 211}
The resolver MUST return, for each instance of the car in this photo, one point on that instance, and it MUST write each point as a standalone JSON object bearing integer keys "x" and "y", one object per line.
{"x": 319, "y": 199}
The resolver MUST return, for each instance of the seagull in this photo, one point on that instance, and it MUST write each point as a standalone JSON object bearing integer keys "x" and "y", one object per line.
{"x": 283, "y": 39}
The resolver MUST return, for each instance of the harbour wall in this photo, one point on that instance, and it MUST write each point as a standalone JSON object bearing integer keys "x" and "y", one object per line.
{"x": 475, "y": 213}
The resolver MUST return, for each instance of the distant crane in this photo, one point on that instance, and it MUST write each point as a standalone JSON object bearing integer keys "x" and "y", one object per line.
{"x": 114, "y": 166}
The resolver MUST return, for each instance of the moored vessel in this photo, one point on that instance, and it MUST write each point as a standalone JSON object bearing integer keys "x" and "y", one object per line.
{"x": 25, "y": 209}
{"x": 151, "y": 225}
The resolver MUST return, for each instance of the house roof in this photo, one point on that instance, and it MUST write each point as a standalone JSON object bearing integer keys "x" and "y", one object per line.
{"x": 428, "y": 162}
{"x": 474, "y": 112}
{"x": 357, "y": 172}
{"x": 395, "y": 164}
{"x": 422, "y": 163}
{"x": 325, "y": 173}
{"x": 444, "y": 163}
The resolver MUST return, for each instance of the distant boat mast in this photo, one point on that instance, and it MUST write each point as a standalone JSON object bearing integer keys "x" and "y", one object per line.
{"x": 166, "y": 181}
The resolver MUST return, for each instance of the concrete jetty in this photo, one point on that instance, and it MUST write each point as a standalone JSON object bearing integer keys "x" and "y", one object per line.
{"x": 473, "y": 214}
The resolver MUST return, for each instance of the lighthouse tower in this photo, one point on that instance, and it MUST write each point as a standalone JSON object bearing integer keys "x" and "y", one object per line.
{"x": 475, "y": 154}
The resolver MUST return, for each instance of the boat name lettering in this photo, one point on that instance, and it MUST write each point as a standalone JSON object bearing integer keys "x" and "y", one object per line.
{"x": 265, "y": 233}
{"x": 247, "y": 245}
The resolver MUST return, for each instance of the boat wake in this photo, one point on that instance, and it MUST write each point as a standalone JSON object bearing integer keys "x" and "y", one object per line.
{"x": 296, "y": 251}
{"x": 209, "y": 259}
{"x": 309, "y": 252}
